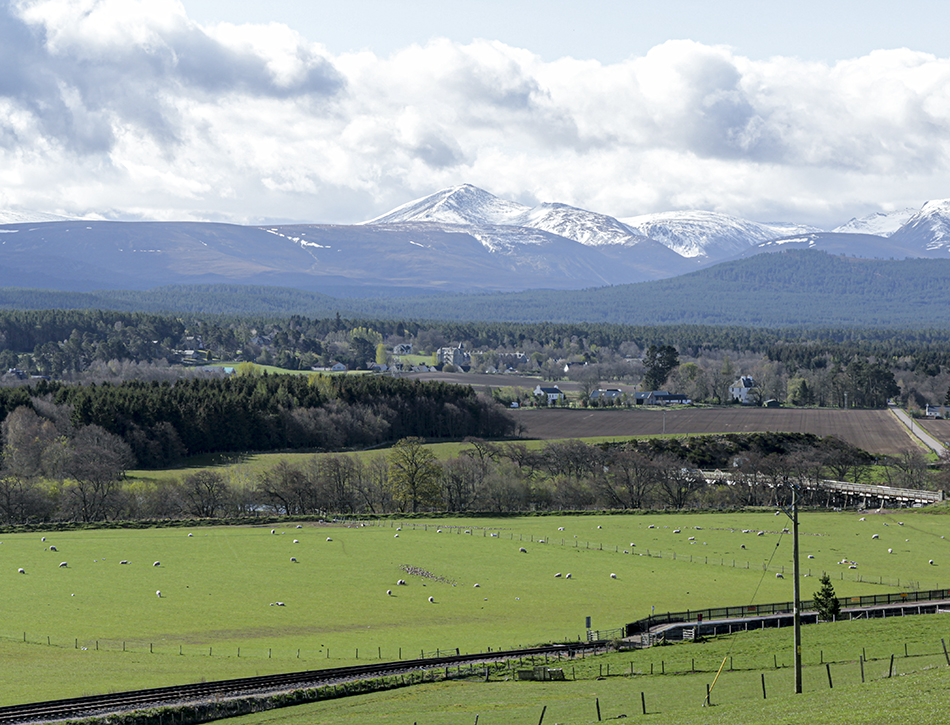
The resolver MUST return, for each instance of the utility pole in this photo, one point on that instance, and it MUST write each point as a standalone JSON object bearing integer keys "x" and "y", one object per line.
{"x": 796, "y": 588}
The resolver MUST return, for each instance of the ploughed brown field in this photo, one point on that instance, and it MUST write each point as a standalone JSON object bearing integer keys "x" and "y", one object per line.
{"x": 876, "y": 431}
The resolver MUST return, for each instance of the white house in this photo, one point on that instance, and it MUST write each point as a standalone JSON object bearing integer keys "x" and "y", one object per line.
{"x": 553, "y": 395}
{"x": 741, "y": 390}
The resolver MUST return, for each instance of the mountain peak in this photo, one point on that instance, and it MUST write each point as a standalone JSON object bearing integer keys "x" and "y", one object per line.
{"x": 462, "y": 204}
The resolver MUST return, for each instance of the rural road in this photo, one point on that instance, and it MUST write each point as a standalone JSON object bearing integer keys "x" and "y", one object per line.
{"x": 918, "y": 432}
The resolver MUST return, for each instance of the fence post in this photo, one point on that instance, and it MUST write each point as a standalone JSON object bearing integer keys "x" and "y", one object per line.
{"x": 828, "y": 670}
{"x": 597, "y": 702}
{"x": 862, "y": 669}
{"x": 763, "y": 685}
{"x": 946, "y": 656}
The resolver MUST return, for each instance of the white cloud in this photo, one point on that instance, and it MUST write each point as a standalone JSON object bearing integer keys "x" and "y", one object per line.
{"x": 131, "y": 109}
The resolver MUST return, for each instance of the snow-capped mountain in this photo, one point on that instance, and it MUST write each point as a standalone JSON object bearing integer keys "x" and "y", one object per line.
{"x": 29, "y": 217}
{"x": 705, "y": 234}
{"x": 928, "y": 230}
{"x": 582, "y": 226}
{"x": 464, "y": 204}
{"x": 881, "y": 224}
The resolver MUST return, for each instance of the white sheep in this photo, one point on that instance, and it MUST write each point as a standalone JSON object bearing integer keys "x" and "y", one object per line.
{"x": 158, "y": 593}
{"x": 779, "y": 575}
{"x": 742, "y": 546}
{"x": 299, "y": 526}
{"x": 389, "y": 592}
{"x": 467, "y": 531}
{"x": 542, "y": 541}
{"x": 890, "y": 551}
{"x": 761, "y": 533}
{"x": 476, "y": 585}
{"x": 612, "y": 575}
{"x": 874, "y": 536}
{"x": 558, "y": 575}
{"x": 62, "y": 564}
{"x": 811, "y": 556}
{"x": 52, "y": 548}
{"x": 568, "y": 575}
{"x": 560, "y": 528}
{"x": 293, "y": 559}
{"x": 279, "y": 604}
{"x": 190, "y": 535}
{"x": 651, "y": 526}
{"x": 861, "y": 519}
{"x": 124, "y": 561}
{"x": 296, "y": 541}
{"x": 395, "y": 536}
{"x": 523, "y": 550}
{"x": 156, "y": 563}
{"x": 399, "y": 528}
{"x": 931, "y": 562}
{"x": 273, "y": 531}
{"x": 431, "y": 600}
{"x": 329, "y": 539}
{"x": 438, "y": 531}
{"x": 853, "y": 566}
{"x": 21, "y": 570}
{"x": 691, "y": 538}
{"x": 43, "y": 538}
{"x": 676, "y": 531}
{"x": 600, "y": 527}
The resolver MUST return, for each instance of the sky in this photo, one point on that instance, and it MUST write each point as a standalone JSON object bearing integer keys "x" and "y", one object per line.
{"x": 293, "y": 111}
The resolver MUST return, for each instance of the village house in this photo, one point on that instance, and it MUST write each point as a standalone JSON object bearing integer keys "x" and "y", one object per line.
{"x": 553, "y": 395}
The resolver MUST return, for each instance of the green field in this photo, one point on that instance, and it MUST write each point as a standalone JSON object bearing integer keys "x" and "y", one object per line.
{"x": 218, "y": 586}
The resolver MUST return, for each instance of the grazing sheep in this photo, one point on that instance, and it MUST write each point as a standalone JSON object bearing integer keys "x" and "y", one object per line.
{"x": 777, "y": 513}
{"x": 558, "y": 575}
{"x": 52, "y": 548}
{"x": 476, "y": 585}
{"x": 542, "y": 541}
{"x": 761, "y": 533}
{"x": 296, "y": 541}
{"x": 853, "y": 566}
{"x": 861, "y": 519}
{"x": 691, "y": 538}
{"x": 523, "y": 550}
{"x": 900, "y": 523}
{"x": 156, "y": 563}
{"x": 279, "y": 604}
{"x": 190, "y": 535}
{"x": 612, "y": 575}
{"x": 676, "y": 531}
{"x": 431, "y": 600}
{"x": 931, "y": 562}
{"x": 742, "y": 546}
{"x": 568, "y": 575}
{"x": 401, "y": 583}
{"x": 399, "y": 528}
{"x": 293, "y": 559}
{"x": 779, "y": 575}
{"x": 438, "y": 531}
{"x": 159, "y": 594}
{"x": 62, "y": 564}
{"x": 811, "y": 556}
{"x": 43, "y": 538}
{"x": 124, "y": 561}
{"x": 874, "y": 536}
{"x": 395, "y": 536}
{"x": 329, "y": 539}
{"x": 389, "y": 592}
{"x": 651, "y": 526}
{"x": 560, "y": 528}
{"x": 299, "y": 526}
{"x": 467, "y": 531}
{"x": 21, "y": 570}
{"x": 890, "y": 551}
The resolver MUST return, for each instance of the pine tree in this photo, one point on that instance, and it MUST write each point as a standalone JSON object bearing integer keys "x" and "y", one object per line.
{"x": 826, "y": 603}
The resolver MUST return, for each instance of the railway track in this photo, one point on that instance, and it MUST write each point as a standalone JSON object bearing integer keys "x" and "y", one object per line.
{"x": 201, "y": 692}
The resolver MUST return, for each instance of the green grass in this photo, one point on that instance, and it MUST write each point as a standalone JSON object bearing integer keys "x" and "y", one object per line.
{"x": 919, "y": 687}
{"x": 218, "y": 585}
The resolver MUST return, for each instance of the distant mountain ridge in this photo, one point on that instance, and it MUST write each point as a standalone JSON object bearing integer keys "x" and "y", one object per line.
{"x": 458, "y": 240}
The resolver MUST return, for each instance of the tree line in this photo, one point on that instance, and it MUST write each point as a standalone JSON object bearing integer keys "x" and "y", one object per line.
{"x": 160, "y": 422}
{"x": 80, "y": 477}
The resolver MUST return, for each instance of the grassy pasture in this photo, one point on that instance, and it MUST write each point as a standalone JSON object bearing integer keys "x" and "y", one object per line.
{"x": 218, "y": 586}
